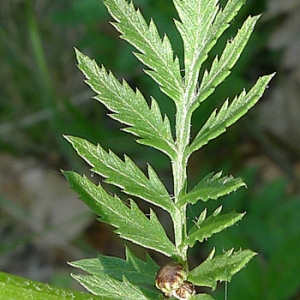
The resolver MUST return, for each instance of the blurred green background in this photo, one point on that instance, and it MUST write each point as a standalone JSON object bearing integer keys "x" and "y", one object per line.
{"x": 43, "y": 96}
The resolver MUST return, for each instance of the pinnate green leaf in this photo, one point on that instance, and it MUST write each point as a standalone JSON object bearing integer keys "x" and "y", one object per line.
{"x": 206, "y": 227}
{"x": 220, "y": 268}
{"x": 196, "y": 18}
{"x": 124, "y": 174}
{"x": 221, "y": 68}
{"x": 221, "y": 23}
{"x": 134, "y": 269}
{"x": 155, "y": 52}
{"x": 106, "y": 286}
{"x": 128, "y": 107}
{"x": 201, "y": 24}
{"x": 130, "y": 221}
{"x": 113, "y": 272}
{"x": 229, "y": 114}
{"x": 212, "y": 186}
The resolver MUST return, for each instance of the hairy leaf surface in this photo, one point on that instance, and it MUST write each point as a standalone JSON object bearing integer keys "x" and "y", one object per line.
{"x": 106, "y": 286}
{"x": 129, "y": 107}
{"x": 155, "y": 53}
{"x": 212, "y": 186}
{"x": 201, "y": 24}
{"x": 229, "y": 114}
{"x": 206, "y": 227}
{"x": 219, "y": 268}
{"x": 124, "y": 174}
{"x": 134, "y": 269}
{"x": 221, "y": 68}
{"x": 196, "y": 18}
{"x": 131, "y": 222}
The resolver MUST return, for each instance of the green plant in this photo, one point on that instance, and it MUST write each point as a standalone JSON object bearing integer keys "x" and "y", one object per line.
{"x": 201, "y": 24}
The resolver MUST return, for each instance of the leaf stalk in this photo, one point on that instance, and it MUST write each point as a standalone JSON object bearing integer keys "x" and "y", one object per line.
{"x": 179, "y": 168}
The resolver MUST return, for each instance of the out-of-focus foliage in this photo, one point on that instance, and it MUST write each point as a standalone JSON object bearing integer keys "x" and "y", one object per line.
{"x": 282, "y": 138}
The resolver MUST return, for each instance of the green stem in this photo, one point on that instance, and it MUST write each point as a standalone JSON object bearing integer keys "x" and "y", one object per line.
{"x": 179, "y": 166}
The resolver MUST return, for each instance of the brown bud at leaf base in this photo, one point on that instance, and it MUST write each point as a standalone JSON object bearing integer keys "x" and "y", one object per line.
{"x": 171, "y": 280}
{"x": 186, "y": 290}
